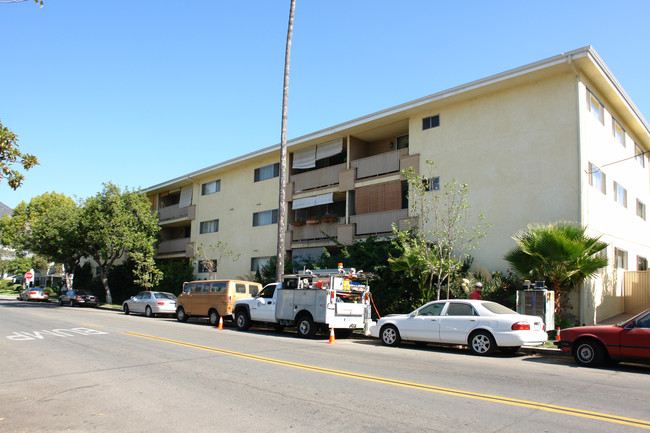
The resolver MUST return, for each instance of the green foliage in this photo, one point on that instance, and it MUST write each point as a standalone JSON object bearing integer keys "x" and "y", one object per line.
{"x": 10, "y": 156}
{"x": 560, "y": 254}
{"x": 115, "y": 222}
{"x": 174, "y": 274}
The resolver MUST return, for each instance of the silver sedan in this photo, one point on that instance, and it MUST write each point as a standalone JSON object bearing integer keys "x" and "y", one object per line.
{"x": 150, "y": 303}
{"x": 34, "y": 294}
{"x": 483, "y": 326}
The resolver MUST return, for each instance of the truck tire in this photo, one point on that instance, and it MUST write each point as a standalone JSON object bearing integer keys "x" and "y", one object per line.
{"x": 306, "y": 327}
{"x": 180, "y": 315}
{"x": 213, "y": 317}
{"x": 242, "y": 320}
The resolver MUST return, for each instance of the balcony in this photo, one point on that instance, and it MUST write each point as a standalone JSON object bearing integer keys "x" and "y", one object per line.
{"x": 311, "y": 232}
{"x": 378, "y": 222}
{"x": 377, "y": 165}
{"x": 319, "y": 178}
{"x": 175, "y": 212}
{"x": 173, "y": 246}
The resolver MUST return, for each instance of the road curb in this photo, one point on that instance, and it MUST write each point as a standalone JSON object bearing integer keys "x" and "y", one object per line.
{"x": 545, "y": 351}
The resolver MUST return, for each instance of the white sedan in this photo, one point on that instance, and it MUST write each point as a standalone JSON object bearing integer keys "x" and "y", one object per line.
{"x": 150, "y": 303}
{"x": 484, "y": 326}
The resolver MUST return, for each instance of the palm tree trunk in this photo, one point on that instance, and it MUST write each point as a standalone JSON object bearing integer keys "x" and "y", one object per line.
{"x": 282, "y": 211}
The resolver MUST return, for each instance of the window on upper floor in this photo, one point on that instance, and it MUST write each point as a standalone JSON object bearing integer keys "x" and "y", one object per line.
{"x": 265, "y": 218}
{"x": 402, "y": 141}
{"x": 639, "y": 155}
{"x": 621, "y": 258}
{"x": 431, "y": 122}
{"x": 620, "y": 194}
{"x": 211, "y": 187}
{"x": 267, "y": 172}
{"x": 209, "y": 226}
{"x": 640, "y": 209}
{"x": 596, "y": 107}
{"x": 618, "y": 131}
{"x": 641, "y": 263}
{"x": 597, "y": 178}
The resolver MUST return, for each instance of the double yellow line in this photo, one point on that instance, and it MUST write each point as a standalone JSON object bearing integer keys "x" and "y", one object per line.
{"x": 455, "y": 392}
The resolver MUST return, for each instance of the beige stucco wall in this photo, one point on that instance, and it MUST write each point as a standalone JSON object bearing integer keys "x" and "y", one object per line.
{"x": 516, "y": 149}
{"x": 234, "y": 206}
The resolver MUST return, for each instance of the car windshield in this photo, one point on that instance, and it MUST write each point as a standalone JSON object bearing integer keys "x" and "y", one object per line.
{"x": 497, "y": 308}
{"x": 164, "y": 295}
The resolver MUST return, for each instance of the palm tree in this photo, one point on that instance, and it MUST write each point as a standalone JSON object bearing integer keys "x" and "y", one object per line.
{"x": 560, "y": 254}
{"x": 282, "y": 212}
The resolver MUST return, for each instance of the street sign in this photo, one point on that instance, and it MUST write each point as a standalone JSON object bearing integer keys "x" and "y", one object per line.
{"x": 29, "y": 275}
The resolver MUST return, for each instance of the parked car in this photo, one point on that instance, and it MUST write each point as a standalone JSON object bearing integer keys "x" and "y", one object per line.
{"x": 150, "y": 303}
{"x": 34, "y": 294}
{"x": 594, "y": 345}
{"x": 483, "y": 326}
{"x": 78, "y": 297}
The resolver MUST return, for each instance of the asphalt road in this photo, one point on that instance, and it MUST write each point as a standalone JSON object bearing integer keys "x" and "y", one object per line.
{"x": 81, "y": 370}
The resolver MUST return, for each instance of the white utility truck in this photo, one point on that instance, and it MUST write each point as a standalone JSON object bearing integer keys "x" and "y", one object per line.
{"x": 312, "y": 301}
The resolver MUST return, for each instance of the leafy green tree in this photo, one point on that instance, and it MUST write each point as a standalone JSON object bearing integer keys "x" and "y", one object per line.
{"x": 212, "y": 254}
{"x": 445, "y": 234}
{"x": 10, "y": 155}
{"x": 47, "y": 226}
{"x": 560, "y": 254}
{"x": 174, "y": 274}
{"x": 114, "y": 223}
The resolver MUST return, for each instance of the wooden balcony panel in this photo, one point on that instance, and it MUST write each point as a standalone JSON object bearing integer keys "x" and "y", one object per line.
{"x": 173, "y": 246}
{"x": 377, "y": 165}
{"x": 315, "y": 231}
{"x": 316, "y": 178}
{"x": 377, "y": 222}
{"x": 175, "y": 212}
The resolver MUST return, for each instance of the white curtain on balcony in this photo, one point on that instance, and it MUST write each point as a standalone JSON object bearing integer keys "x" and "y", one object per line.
{"x": 186, "y": 197}
{"x": 306, "y": 202}
{"x": 306, "y": 158}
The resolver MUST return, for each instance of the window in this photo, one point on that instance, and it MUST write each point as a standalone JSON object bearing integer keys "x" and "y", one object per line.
{"x": 266, "y": 217}
{"x": 240, "y": 288}
{"x": 596, "y": 107}
{"x": 639, "y": 155}
{"x": 403, "y": 141}
{"x": 597, "y": 178}
{"x": 455, "y": 309}
{"x": 640, "y": 209}
{"x": 211, "y": 187}
{"x": 431, "y": 122}
{"x": 209, "y": 226}
{"x": 258, "y": 263}
{"x": 219, "y": 287}
{"x": 431, "y": 184}
{"x": 431, "y": 310}
{"x": 641, "y": 263}
{"x": 621, "y": 258}
{"x": 619, "y": 132}
{"x": 207, "y": 266}
{"x": 620, "y": 194}
{"x": 267, "y": 172}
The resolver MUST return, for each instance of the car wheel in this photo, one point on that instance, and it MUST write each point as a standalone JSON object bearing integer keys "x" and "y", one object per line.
{"x": 390, "y": 336}
{"x": 242, "y": 320}
{"x": 510, "y": 350}
{"x": 180, "y": 315}
{"x": 588, "y": 353}
{"x": 213, "y": 317}
{"x": 71, "y": 303}
{"x": 148, "y": 312}
{"x": 306, "y": 327}
{"x": 482, "y": 343}
{"x": 125, "y": 308}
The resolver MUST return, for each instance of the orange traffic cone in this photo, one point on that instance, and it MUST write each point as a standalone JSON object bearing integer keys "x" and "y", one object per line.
{"x": 557, "y": 334}
{"x": 220, "y": 323}
{"x": 332, "y": 338}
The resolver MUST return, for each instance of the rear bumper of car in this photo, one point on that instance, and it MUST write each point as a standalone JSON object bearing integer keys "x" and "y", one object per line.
{"x": 564, "y": 346}
{"x": 520, "y": 338}
{"x": 164, "y": 309}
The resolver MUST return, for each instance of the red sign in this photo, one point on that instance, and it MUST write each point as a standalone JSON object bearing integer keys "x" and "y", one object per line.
{"x": 29, "y": 275}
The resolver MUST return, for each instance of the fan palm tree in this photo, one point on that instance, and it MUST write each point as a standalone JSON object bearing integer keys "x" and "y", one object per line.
{"x": 560, "y": 254}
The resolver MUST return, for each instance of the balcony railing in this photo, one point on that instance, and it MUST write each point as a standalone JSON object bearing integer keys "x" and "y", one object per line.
{"x": 317, "y": 178}
{"x": 315, "y": 231}
{"x": 377, "y": 165}
{"x": 173, "y": 246}
{"x": 377, "y": 222}
{"x": 174, "y": 211}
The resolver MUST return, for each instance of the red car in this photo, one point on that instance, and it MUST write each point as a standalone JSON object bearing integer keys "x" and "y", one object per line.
{"x": 593, "y": 345}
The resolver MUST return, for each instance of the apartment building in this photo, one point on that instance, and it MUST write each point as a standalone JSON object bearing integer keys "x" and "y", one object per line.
{"x": 556, "y": 140}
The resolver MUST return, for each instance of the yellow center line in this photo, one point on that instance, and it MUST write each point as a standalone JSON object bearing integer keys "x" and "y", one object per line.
{"x": 38, "y": 314}
{"x": 449, "y": 391}
{"x": 91, "y": 324}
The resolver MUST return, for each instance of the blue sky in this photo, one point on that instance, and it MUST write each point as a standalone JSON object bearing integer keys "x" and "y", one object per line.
{"x": 137, "y": 92}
